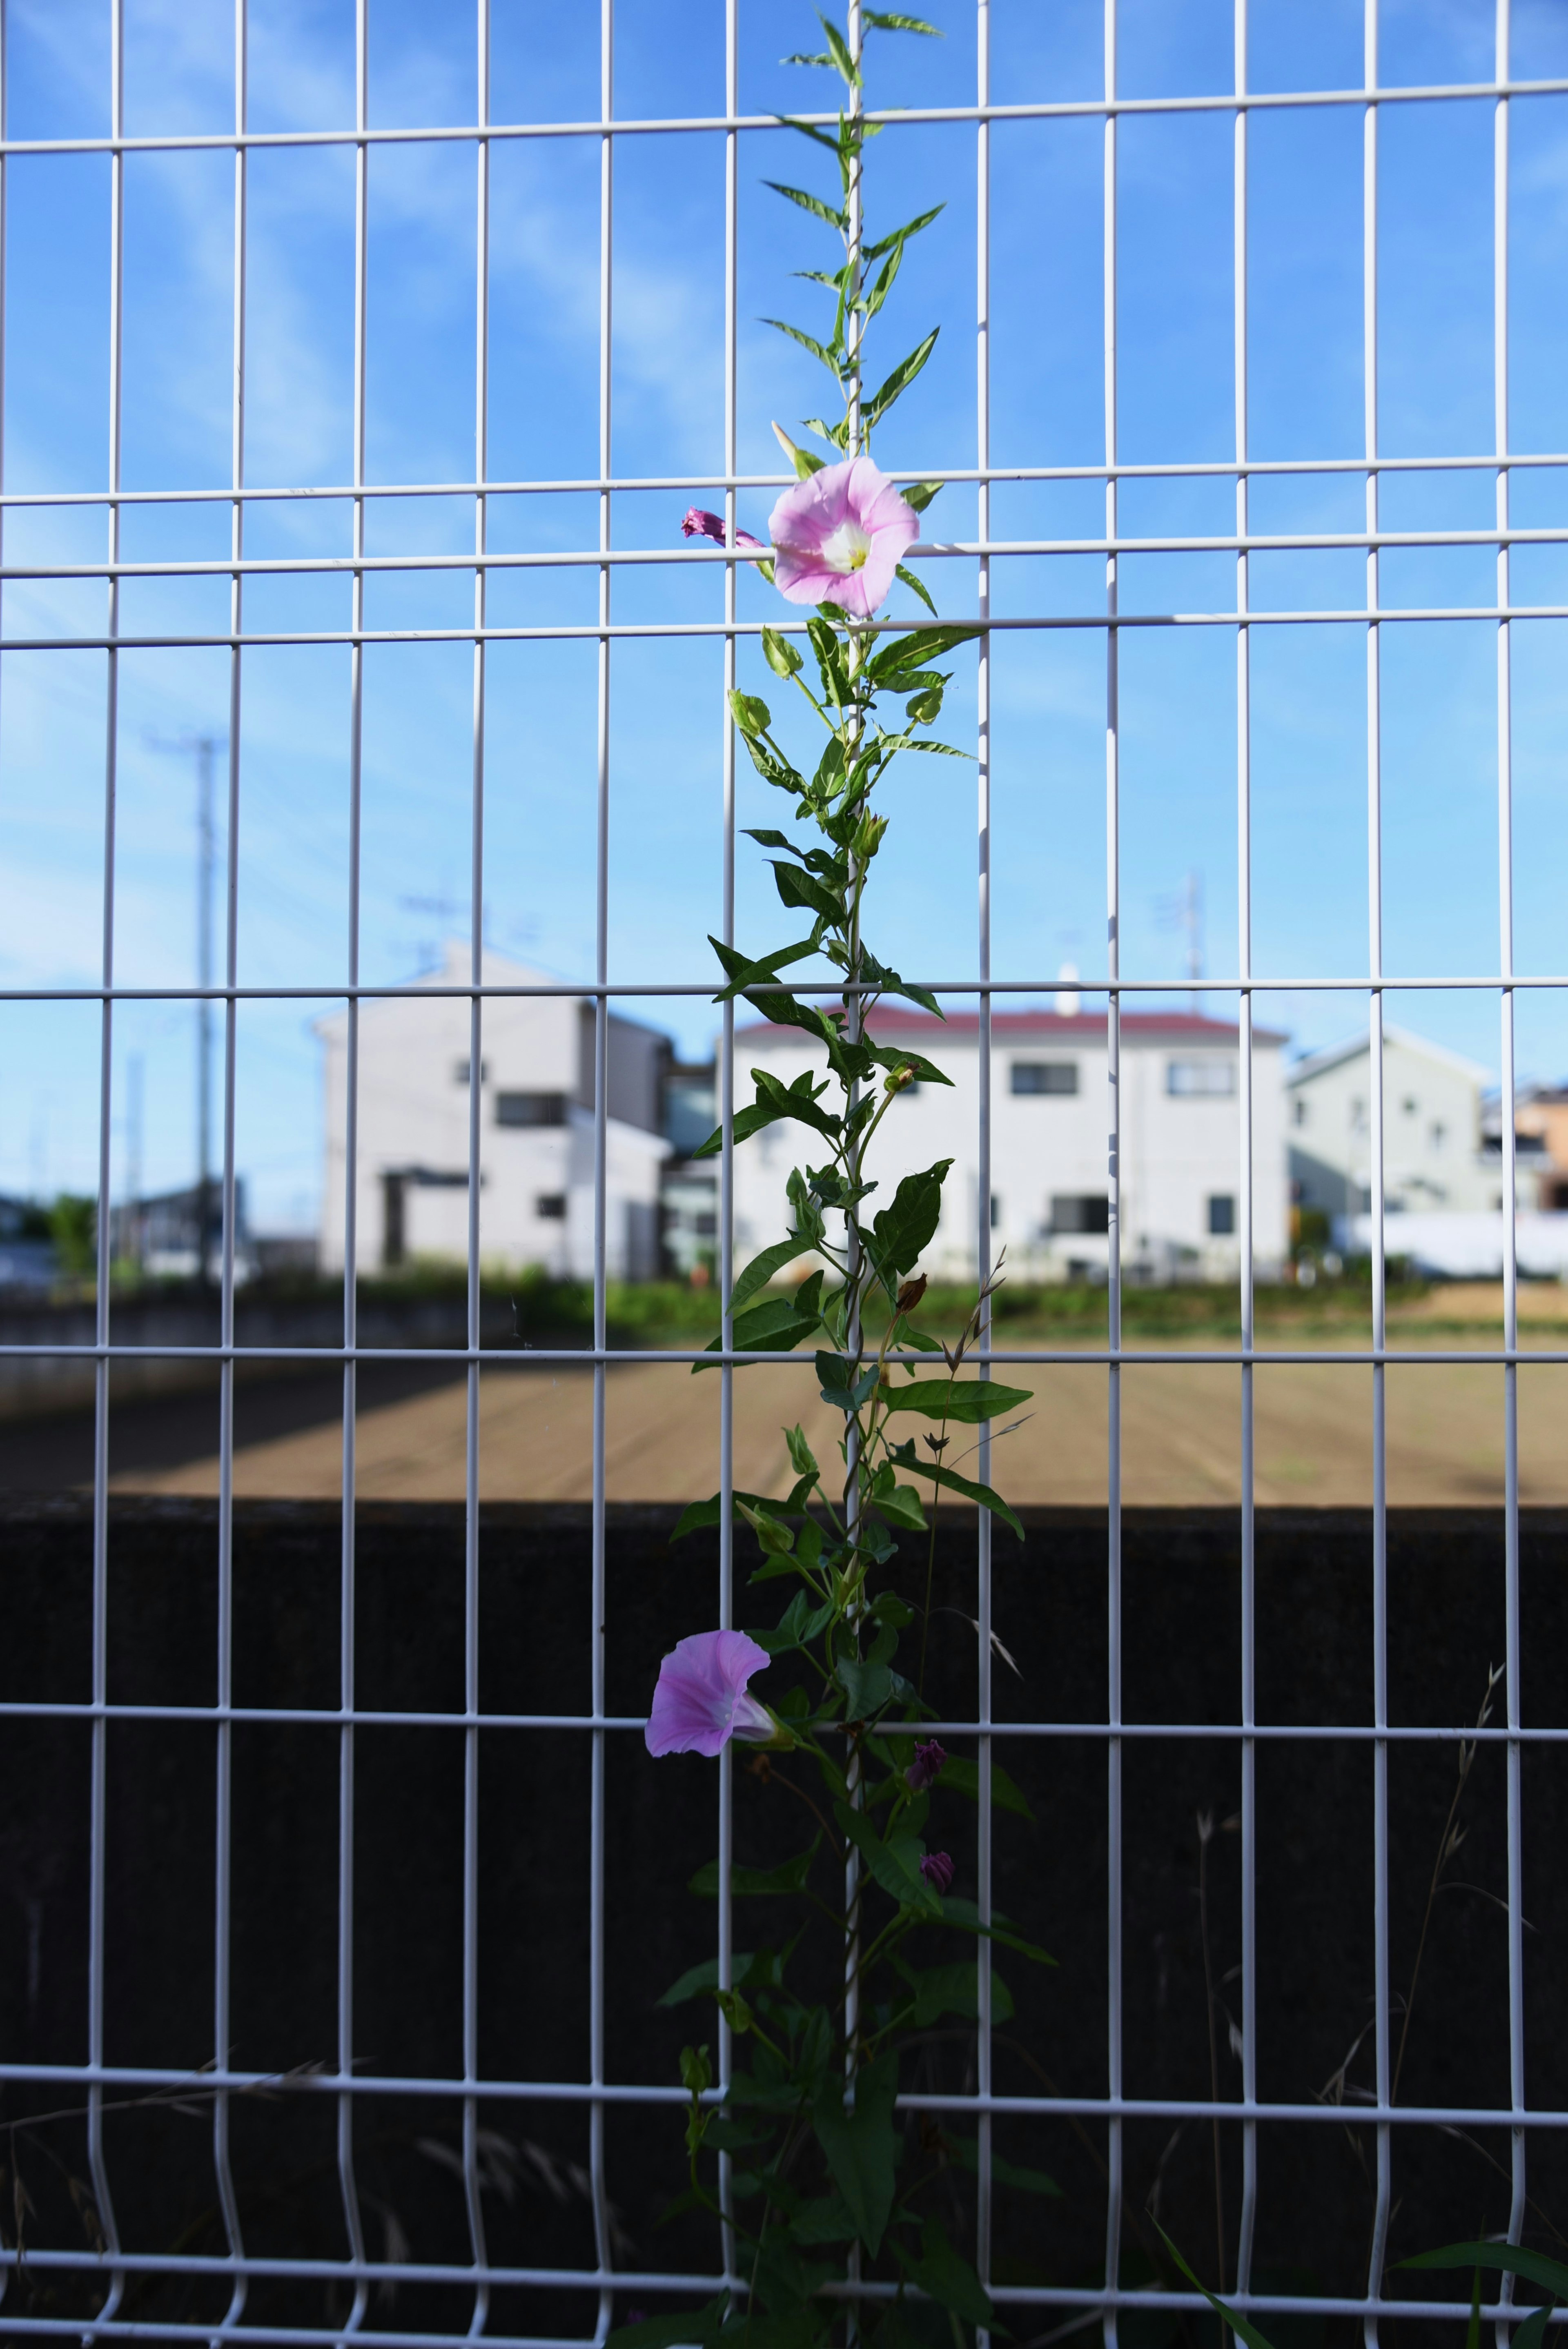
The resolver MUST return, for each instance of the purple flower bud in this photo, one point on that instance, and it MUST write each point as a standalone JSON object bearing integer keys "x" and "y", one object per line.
{"x": 938, "y": 1870}
{"x": 698, "y": 523}
{"x": 926, "y": 1768}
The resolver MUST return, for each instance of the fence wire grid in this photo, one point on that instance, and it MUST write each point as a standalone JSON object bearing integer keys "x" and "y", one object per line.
{"x": 349, "y": 2087}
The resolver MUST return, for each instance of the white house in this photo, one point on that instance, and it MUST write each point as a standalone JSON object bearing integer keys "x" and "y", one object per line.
{"x": 1434, "y": 1155}
{"x": 536, "y": 1129}
{"x": 1442, "y": 1168}
{"x": 1181, "y": 1141}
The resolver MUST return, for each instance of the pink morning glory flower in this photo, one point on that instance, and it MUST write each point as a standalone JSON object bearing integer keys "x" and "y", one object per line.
{"x": 840, "y": 536}
{"x": 937, "y": 1869}
{"x": 700, "y": 1701}
{"x": 698, "y": 523}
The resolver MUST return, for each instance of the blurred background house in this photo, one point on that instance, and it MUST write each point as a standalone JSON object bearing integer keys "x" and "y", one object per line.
{"x": 1050, "y": 1202}
{"x": 536, "y": 1157}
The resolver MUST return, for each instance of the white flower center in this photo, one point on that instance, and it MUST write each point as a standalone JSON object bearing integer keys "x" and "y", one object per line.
{"x": 848, "y": 548}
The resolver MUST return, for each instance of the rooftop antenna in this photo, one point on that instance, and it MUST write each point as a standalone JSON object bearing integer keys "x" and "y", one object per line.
{"x": 204, "y": 747}
{"x": 1184, "y": 911}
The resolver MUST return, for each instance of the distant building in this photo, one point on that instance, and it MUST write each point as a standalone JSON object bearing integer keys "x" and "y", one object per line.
{"x": 688, "y": 1191}
{"x": 1541, "y": 1140}
{"x": 1435, "y": 1159}
{"x": 536, "y": 1141}
{"x": 1050, "y": 1118}
{"x": 26, "y": 1252}
{"x": 163, "y": 1236}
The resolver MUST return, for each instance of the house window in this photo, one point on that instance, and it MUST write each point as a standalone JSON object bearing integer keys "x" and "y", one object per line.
{"x": 530, "y": 1109}
{"x": 1078, "y": 1211}
{"x": 1222, "y": 1215}
{"x": 1411, "y": 1105}
{"x": 1044, "y": 1076}
{"x": 995, "y": 1211}
{"x": 1207, "y": 1079}
{"x": 1299, "y": 1109}
{"x": 1439, "y": 1136}
{"x": 460, "y": 1069}
{"x": 551, "y": 1206}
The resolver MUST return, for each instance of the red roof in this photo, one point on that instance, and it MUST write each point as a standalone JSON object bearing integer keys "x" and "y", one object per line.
{"x": 890, "y": 1020}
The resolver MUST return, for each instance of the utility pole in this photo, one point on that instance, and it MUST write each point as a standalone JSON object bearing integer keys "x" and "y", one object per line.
{"x": 205, "y": 747}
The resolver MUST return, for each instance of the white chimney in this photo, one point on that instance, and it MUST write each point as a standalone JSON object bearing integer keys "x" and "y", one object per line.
{"x": 1068, "y": 1000}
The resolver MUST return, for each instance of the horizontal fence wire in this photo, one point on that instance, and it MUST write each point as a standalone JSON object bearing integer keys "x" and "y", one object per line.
{"x": 98, "y": 2086}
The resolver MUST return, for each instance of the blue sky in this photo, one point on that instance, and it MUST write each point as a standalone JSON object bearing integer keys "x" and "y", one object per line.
{"x": 1173, "y": 330}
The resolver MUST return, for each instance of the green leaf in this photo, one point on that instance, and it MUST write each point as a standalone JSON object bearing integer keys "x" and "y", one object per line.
{"x": 697, "y": 1514}
{"x": 920, "y": 494}
{"x": 801, "y": 1622}
{"x": 797, "y": 1100}
{"x": 899, "y": 1503}
{"x": 947, "y": 2277}
{"x": 962, "y": 1776}
{"x": 894, "y": 1865}
{"x": 1534, "y": 2266}
{"x": 832, "y": 1374}
{"x": 799, "y": 889}
{"x": 751, "y": 714}
{"x": 966, "y": 1402}
{"x": 915, "y": 648}
{"x": 860, "y": 2147}
{"x": 700, "y": 2325}
{"x": 1004, "y": 2173}
{"x": 925, "y": 709}
{"x": 696, "y": 1980}
{"x": 918, "y": 587}
{"x": 972, "y": 1490}
{"x": 824, "y": 2221}
{"x": 749, "y": 1883}
{"x": 840, "y": 48}
{"x": 762, "y": 1268}
{"x": 897, "y": 235}
{"x": 903, "y": 374}
{"x": 780, "y": 654}
{"x": 953, "y": 1990}
{"x": 905, "y": 1228}
{"x": 807, "y": 342}
{"x": 775, "y": 1327}
{"x": 803, "y": 461}
{"x": 937, "y": 749}
{"x": 1533, "y": 2332}
{"x": 808, "y": 203}
{"x": 966, "y": 1917}
{"x": 900, "y": 25}
{"x": 802, "y": 1459}
{"x": 1243, "y": 2330}
{"x": 835, "y": 435}
{"x": 869, "y": 1687}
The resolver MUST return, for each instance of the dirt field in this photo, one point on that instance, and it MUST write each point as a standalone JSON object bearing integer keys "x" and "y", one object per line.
{"x": 1180, "y": 1431}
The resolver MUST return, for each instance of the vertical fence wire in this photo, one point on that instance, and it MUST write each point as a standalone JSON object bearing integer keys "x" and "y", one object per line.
{"x": 1115, "y": 1201}
{"x": 726, "y": 1068}
{"x": 984, "y": 1241}
{"x": 98, "y": 1822}
{"x": 1384, "y": 2018}
{"x": 470, "y": 1755}
{"x": 347, "y": 2179}
{"x": 223, "y": 1798}
{"x": 1508, "y": 1135}
{"x": 1247, "y": 1172}
{"x": 602, "y": 1115}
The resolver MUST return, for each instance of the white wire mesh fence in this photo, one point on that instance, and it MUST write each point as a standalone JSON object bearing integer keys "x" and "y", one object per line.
{"x": 98, "y": 2082}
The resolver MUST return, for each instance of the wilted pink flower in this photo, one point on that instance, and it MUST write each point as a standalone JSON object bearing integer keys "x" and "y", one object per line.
{"x": 840, "y": 536}
{"x": 938, "y": 1870}
{"x": 700, "y": 1701}
{"x": 926, "y": 1767}
{"x": 698, "y": 523}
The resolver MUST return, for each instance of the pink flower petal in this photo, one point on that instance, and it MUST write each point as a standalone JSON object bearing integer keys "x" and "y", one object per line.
{"x": 701, "y": 1700}
{"x": 839, "y": 536}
